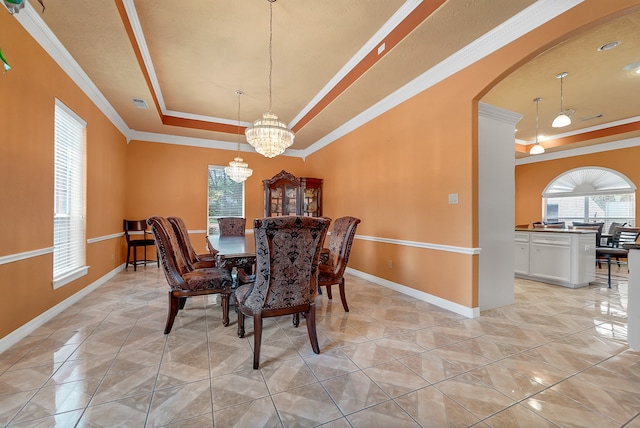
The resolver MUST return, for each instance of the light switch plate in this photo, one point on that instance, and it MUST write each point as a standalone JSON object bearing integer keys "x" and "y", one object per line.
{"x": 453, "y": 198}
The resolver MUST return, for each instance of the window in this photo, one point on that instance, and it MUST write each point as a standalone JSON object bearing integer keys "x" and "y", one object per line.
{"x": 590, "y": 194}
{"x": 69, "y": 196}
{"x": 226, "y": 198}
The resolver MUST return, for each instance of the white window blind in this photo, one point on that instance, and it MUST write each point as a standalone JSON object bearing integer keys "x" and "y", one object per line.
{"x": 69, "y": 196}
{"x": 226, "y": 197}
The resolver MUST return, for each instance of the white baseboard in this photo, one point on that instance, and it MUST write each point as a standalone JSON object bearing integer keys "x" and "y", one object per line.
{"x": 420, "y": 295}
{"x": 28, "y": 328}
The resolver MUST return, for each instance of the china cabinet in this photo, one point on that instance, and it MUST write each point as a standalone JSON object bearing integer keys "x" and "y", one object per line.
{"x": 286, "y": 194}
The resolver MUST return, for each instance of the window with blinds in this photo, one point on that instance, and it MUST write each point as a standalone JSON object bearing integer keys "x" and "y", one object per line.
{"x": 226, "y": 198}
{"x": 69, "y": 196}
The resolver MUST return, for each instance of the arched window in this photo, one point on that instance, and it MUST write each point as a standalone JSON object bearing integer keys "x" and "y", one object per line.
{"x": 590, "y": 194}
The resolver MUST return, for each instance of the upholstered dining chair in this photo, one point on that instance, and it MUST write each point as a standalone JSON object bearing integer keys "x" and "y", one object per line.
{"x": 332, "y": 271}
{"x": 184, "y": 281}
{"x": 135, "y": 243}
{"x": 196, "y": 261}
{"x": 287, "y": 257}
{"x": 232, "y": 226}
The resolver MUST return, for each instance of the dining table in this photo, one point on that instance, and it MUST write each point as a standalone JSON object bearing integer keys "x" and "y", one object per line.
{"x": 233, "y": 251}
{"x": 240, "y": 251}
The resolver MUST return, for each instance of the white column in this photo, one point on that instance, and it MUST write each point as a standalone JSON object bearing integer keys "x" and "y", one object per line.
{"x": 633, "y": 303}
{"x": 496, "y": 205}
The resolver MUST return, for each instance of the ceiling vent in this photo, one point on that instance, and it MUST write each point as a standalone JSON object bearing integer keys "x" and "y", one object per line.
{"x": 595, "y": 116}
{"x": 140, "y": 103}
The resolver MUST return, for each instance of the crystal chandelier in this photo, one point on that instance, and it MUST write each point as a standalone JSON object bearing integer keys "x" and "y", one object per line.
{"x": 238, "y": 170}
{"x": 536, "y": 149}
{"x": 269, "y": 136}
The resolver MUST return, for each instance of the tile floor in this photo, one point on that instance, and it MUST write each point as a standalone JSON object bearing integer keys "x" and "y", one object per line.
{"x": 558, "y": 357}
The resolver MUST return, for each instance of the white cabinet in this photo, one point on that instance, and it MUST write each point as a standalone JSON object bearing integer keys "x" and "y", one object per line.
{"x": 564, "y": 258}
{"x": 522, "y": 253}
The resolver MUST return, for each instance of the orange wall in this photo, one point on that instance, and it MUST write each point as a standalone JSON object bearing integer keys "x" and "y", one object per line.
{"x": 396, "y": 171}
{"x": 28, "y": 93}
{"x": 531, "y": 179}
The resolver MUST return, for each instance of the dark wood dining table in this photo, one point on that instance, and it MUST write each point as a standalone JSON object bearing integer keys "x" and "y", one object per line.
{"x": 234, "y": 251}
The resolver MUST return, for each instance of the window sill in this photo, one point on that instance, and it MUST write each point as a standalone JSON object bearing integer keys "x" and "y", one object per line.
{"x": 70, "y": 276}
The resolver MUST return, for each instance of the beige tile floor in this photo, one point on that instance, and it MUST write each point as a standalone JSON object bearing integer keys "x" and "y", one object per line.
{"x": 558, "y": 357}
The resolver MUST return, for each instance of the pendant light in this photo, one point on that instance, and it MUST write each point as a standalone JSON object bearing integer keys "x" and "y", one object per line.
{"x": 269, "y": 136}
{"x": 238, "y": 170}
{"x": 537, "y": 149}
{"x": 562, "y": 119}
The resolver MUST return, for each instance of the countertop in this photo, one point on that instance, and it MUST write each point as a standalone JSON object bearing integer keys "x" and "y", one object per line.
{"x": 555, "y": 230}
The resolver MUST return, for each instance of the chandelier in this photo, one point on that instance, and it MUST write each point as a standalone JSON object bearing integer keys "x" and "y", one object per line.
{"x": 536, "y": 149}
{"x": 269, "y": 136}
{"x": 238, "y": 170}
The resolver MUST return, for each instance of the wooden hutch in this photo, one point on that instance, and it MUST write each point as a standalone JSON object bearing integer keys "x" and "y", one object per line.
{"x": 286, "y": 194}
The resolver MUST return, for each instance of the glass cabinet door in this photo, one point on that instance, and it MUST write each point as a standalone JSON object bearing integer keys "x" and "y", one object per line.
{"x": 276, "y": 201}
{"x": 311, "y": 194}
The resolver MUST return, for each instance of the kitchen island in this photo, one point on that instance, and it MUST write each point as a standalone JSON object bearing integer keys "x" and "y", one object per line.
{"x": 565, "y": 257}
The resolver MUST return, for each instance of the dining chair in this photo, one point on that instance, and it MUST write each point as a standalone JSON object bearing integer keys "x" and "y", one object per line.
{"x": 620, "y": 237}
{"x": 332, "y": 271}
{"x": 287, "y": 257}
{"x": 135, "y": 243}
{"x": 196, "y": 261}
{"x": 232, "y": 226}
{"x": 184, "y": 281}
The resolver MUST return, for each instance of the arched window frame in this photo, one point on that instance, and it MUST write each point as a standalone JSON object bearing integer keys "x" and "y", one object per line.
{"x": 592, "y": 183}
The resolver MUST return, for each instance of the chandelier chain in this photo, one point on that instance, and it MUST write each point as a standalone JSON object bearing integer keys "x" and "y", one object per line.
{"x": 270, "y": 48}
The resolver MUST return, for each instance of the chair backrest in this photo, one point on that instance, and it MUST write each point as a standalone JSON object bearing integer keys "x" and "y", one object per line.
{"x": 591, "y": 226}
{"x": 287, "y": 257}
{"x": 133, "y": 226}
{"x": 232, "y": 226}
{"x": 173, "y": 263}
{"x": 184, "y": 241}
{"x": 344, "y": 229}
{"x": 613, "y": 226}
{"x": 624, "y": 235}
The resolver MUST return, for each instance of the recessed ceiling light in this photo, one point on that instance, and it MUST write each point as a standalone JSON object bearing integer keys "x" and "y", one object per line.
{"x": 140, "y": 103}
{"x": 609, "y": 46}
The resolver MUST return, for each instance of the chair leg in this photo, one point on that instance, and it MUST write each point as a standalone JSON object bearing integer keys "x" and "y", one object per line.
{"x": 296, "y": 320}
{"x": 135, "y": 259}
{"x": 609, "y": 270}
{"x": 240, "y": 323}
{"x": 174, "y": 303}
{"x": 329, "y": 292}
{"x": 183, "y": 301}
{"x": 128, "y": 255}
{"x": 225, "y": 309}
{"x": 343, "y": 297}
{"x": 257, "y": 339}
{"x": 311, "y": 328}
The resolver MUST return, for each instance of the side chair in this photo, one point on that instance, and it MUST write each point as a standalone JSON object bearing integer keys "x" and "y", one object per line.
{"x": 135, "y": 243}
{"x": 332, "y": 271}
{"x": 197, "y": 261}
{"x": 232, "y": 226}
{"x": 183, "y": 280}
{"x": 286, "y": 283}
